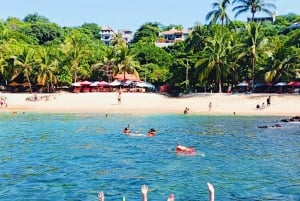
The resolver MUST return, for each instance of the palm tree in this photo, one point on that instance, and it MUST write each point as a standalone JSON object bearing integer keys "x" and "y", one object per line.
{"x": 254, "y": 40}
{"x": 118, "y": 40}
{"x": 213, "y": 60}
{"x": 23, "y": 64}
{"x": 219, "y": 12}
{"x": 108, "y": 64}
{"x": 282, "y": 64}
{"x": 196, "y": 40}
{"x": 254, "y": 6}
{"x": 76, "y": 50}
{"x": 47, "y": 70}
{"x": 126, "y": 62}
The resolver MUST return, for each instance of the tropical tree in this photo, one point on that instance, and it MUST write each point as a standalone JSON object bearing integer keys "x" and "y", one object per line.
{"x": 282, "y": 64}
{"x": 76, "y": 49}
{"x": 213, "y": 59}
{"x": 219, "y": 12}
{"x": 196, "y": 40}
{"x": 47, "y": 68}
{"x": 154, "y": 61}
{"x": 126, "y": 62}
{"x": 23, "y": 64}
{"x": 148, "y": 33}
{"x": 254, "y": 6}
{"x": 33, "y": 18}
{"x": 6, "y": 63}
{"x": 91, "y": 29}
{"x": 254, "y": 40}
{"x": 107, "y": 66}
{"x": 118, "y": 40}
{"x": 42, "y": 32}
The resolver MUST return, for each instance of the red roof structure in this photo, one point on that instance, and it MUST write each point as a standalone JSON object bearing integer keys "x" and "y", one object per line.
{"x": 131, "y": 77}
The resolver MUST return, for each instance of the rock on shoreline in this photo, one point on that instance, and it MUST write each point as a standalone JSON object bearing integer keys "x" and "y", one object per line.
{"x": 292, "y": 119}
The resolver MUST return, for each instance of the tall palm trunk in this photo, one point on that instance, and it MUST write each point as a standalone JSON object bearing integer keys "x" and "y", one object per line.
{"x": 220, "y": 86}
{"x": 253, "y": 73}
{"x": 30, "y": 88}
{"x": 253, "y": 16}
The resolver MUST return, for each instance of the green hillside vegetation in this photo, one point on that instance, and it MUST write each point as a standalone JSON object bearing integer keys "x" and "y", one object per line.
{"x": 214, "y": 56}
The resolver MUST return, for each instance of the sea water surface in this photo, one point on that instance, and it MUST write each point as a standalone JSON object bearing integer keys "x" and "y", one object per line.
{"x": 74, "y": 156}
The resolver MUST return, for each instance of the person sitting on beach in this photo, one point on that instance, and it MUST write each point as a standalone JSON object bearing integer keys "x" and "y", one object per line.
{"x": 186, "y": 110}
{"x": 151, "y": 132}
{"x": 257, "y": 106}
{"x": 263, "y": 106}
{"x": 126, "y": 130}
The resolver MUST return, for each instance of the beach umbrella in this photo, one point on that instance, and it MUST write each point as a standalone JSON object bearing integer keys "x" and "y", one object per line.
{"x": 294, "y": 84}
{"x": 141, "y": 84}
{"x": 103, "y": 83}
{"x": 149, "y": 85}
{"x": 76, "y": 84}
{"x": 115, "y": 83}
{"x": 145, "y": 85}
{"x": 127, "y": 83}
{"x": 94, "y": 84}
{"x": 85, "y": 83}
{"x": 259, "y": 84}
{"x": 242, "y": 84}
{"x": 280, "y": 84}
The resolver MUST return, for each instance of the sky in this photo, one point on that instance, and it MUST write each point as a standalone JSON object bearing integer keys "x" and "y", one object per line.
{"x": 125, "y": 14}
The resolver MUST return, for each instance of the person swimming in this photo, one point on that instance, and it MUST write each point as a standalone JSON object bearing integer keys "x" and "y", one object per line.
{"x": 151, "y": 132}
{"x": 184, "y": 149}
{"x": 126, "y": 130}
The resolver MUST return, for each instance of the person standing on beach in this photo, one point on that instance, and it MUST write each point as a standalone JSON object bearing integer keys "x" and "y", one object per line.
{"x": 269, "y": 101}
{"x": 119, "y": 97}
{"x": 209, "y": 106}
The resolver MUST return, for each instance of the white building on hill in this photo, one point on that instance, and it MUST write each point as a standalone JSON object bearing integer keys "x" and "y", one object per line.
{"x": 107, "y": 34}
{"x": 172, "y": 36}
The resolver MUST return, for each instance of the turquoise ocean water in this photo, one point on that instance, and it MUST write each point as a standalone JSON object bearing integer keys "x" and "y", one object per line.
{"x": 73, "y": 156}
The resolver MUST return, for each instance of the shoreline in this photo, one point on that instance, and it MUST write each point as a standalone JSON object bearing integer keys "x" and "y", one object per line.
{"x": 153, "y": 103}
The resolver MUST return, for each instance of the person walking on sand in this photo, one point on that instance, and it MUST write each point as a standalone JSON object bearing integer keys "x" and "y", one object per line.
{"x": 119, "y": 97}
{"x": 209, "y": 106}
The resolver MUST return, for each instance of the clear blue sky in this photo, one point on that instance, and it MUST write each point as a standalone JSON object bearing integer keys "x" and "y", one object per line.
{"x": 124, "y": 14}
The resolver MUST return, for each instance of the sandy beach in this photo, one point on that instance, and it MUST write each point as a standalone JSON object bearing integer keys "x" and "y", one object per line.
{"x": 221, "y": 104}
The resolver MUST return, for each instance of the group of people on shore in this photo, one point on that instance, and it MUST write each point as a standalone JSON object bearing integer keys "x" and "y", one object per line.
{"x": 145, "y": 189}
{"x": 186, "y": 109}
{"x": 3, "y": 101}
{"x": 263, "y": 106}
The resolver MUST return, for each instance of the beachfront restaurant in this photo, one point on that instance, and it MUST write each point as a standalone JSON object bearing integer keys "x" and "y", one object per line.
{"x": 125, "y": 83}
{"x": 87, "y": 86}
